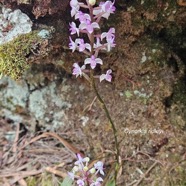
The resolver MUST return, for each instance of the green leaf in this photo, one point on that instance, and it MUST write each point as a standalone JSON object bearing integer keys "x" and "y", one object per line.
{"x": 111, "y": 183}
{"x": 67, "y": 182}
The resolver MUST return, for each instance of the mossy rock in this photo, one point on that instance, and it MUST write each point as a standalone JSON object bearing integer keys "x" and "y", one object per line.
{"x": 14, "y": 55}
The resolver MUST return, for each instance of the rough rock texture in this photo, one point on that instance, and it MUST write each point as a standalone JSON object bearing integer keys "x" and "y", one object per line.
{"x": 45, "y": 105}
{"x": 38, "y": 8}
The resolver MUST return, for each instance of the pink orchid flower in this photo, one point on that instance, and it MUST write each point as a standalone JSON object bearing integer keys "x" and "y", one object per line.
{"x": 75, "y": 5}
{"x": 97, "y": 182}
{"x": 88, "y": 26}
{"x": 108, "y": 35}
{"x": 106, "y": 76}
{"x": 78, "y": 71}
{"x": 105, "y": 9}
{"x": 82, "y": 17}
{"x": 93, "y": 61}
{"x": 82, "y": 45}
{"x": 74, "y": 29}
{"x": 80, "y": 182}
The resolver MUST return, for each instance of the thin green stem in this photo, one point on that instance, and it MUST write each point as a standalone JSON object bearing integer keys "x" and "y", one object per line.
{"x": 104, "y": 107}
{"x": 102, "y": 103}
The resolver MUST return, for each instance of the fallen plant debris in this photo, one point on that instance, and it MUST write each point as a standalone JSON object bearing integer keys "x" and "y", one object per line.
{"x": 30, "y": 156}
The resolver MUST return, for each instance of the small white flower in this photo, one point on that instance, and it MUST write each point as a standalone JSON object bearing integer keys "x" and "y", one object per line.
{"x": 99, "y": 167}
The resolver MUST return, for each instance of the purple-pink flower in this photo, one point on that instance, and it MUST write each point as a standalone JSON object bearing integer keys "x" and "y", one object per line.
{"x": 93, "y": 61}
{"x": 108, "y": 35}
{"x": 82, "y": 17}
{"x": 82, "y": 45}
{"x": 80, "y": 182}
{"x": 106, "y": 76}
{"x": 97, "y": 182}
{"x": 88, "y": 26}
{"x": 80, "y": 160}
{"x": 73, "y": 29}
{"x": 75, "y": 5}
{"x": 85, "y": 174}
{"x": 104, "y": 9}
{"x": 78, "y": 71}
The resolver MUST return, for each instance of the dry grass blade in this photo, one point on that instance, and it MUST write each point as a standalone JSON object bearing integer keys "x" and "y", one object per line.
{"x": 16, "y": 138}
{"x": 21, "y": 173}
{"x": 63, "y": 141}
{"x": 56, "y": 172}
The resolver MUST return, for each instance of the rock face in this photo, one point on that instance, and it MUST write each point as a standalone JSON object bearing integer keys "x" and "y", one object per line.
{"x": 37, "y": 7}
{"x": 13, "y": 24}
{"x": 18, "y": 101}
{"x": 14, "y": 95}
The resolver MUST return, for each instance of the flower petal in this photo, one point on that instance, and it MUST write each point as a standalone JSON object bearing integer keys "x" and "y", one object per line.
{"x": 99, "y": 61}
{"x": 95, "y": 25}
{"x": 87, "y": 61}
{"x": 102, "y": 77}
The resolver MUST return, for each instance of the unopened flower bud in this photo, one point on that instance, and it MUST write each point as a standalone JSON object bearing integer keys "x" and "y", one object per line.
{"x": 85, "y": 168}
{"x": 92, "y": 170}
{"x": 87, "y": 159}
{"x": 92, "y": 2}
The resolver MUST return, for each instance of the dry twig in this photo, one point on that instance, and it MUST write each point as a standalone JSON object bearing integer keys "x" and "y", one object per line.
{"x": 146, "y": 173}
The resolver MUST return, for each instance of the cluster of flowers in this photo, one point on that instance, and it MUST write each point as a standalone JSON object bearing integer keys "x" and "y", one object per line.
{"x": 88, "y": 24}
{"x": 85, "y": 175}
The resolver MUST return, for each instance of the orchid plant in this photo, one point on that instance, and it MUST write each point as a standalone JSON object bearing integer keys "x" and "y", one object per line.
{"x": 86, "y": 37}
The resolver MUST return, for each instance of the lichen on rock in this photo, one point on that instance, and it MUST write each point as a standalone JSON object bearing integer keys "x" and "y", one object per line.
{"x": 13, "y": 95}
{"x": 13, "y": 24}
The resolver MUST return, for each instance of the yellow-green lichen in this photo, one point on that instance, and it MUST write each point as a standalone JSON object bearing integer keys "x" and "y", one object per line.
{"x": 13, "y": 55}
